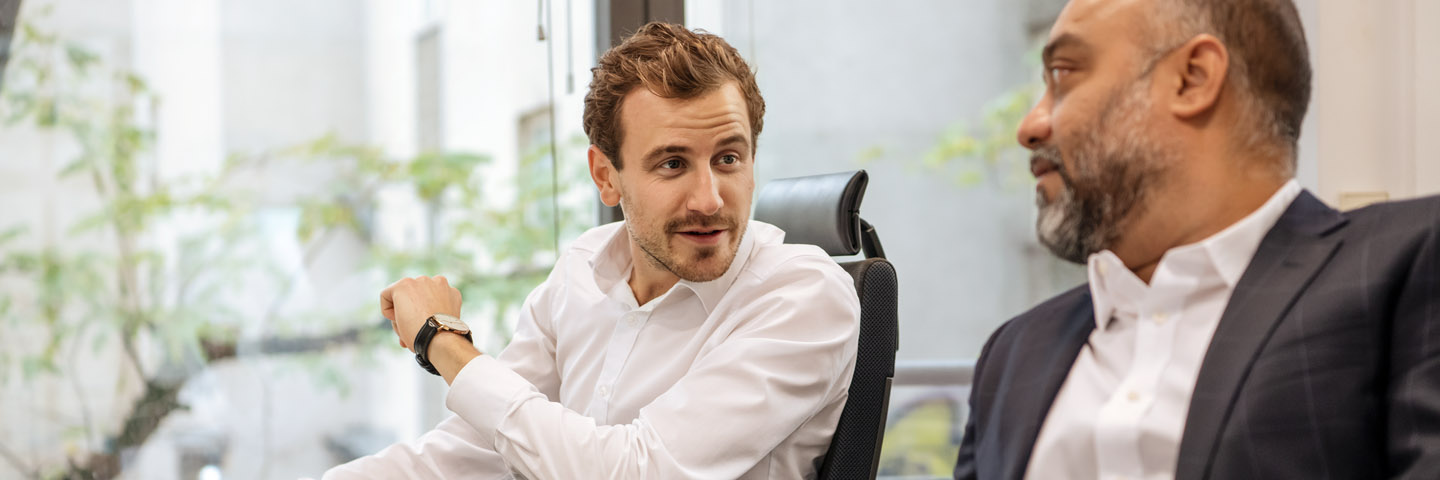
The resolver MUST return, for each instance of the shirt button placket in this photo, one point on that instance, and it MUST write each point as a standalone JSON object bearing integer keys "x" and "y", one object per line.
{"x": 1160, "y": 318}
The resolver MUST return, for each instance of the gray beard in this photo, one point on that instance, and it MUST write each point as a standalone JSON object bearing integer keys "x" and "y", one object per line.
{"x": 1116, "y": 166}
{"x": 1059, "y": 228}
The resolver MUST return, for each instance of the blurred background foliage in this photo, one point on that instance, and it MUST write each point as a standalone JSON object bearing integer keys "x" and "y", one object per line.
{"x": 981, "y": 152}
{"x": 985, "y": 152}
{"x": 157, "y": 274}
{"x": 922, "y": 437}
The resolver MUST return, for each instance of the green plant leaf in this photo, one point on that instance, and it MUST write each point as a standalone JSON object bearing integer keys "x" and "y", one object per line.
{"x": 83, "y": 163}
{"x": 433, "y": 173}
{"x": 13, "y": 232}
{"x": 134, "y": 83}
{"x": 80, "y": 58}
{"x": 870, "y": 155}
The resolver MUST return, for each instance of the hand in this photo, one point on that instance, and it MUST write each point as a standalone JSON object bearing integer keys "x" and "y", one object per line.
{"x": 408, "y": 302}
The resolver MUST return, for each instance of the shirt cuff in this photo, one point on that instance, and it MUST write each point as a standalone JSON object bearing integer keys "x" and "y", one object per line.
{"x": 484, "y": 393}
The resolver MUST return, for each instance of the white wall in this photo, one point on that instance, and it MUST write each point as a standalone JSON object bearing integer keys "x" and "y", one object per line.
{"x": 1376, "y": 110}
{"x": 1427, "y": 97}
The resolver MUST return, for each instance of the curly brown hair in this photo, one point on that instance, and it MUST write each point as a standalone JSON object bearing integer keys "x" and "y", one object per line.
{"x": 671, "y": 62}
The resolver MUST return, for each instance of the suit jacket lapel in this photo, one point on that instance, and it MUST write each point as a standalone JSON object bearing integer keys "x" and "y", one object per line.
{"x": 1049, "y": 350}
{"x": 1288, "y": 258}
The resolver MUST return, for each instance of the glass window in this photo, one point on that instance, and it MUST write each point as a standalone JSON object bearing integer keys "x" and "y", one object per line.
{"x": 925, "y": 96}
{"x": 203, "y": 198}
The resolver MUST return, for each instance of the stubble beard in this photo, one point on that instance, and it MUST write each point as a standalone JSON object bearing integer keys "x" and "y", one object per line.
{"x": 1116, "y": 167}
{"x": 657, "y": 246}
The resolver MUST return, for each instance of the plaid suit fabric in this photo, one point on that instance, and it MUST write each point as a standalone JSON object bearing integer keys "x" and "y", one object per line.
{"x": 1326, "y": 363}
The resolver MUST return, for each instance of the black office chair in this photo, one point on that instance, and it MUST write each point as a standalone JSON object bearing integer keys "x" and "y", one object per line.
{"x": 824, "y": 210}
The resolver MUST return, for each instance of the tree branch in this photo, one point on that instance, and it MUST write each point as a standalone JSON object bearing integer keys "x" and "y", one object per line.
{"x": 161, "y": 399}
{"x": 80, "y": 395}
{"x": 216, "y": 350}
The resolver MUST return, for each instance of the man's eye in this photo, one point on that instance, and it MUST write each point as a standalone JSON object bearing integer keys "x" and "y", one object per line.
{"x": 729, "y": 160}
{"x": 1056, "y": 73}
{"x": 672, "y": 164}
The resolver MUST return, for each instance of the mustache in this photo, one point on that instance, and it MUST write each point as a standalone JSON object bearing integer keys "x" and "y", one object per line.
{"x": 1046, "y": 156}
{"x": 714, "y": 222}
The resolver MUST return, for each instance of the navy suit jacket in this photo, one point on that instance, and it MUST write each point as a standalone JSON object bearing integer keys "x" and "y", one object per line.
{"x": 1325, "y": 364}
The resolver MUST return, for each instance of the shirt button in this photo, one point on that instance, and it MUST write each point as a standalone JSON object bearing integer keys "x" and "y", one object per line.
{"x": 633, "y": 321}
{"x": 1133, "y": 397}
{"x": 1159, "y": 318}
{"x": 604, "y": 391}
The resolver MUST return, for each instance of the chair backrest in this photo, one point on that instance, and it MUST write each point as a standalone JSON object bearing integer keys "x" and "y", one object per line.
{"x": 824, "y": 210}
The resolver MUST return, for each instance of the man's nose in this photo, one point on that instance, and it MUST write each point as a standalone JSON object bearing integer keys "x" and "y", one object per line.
{"x": 1035, "y": 128}
{"x": 705, "y": 197}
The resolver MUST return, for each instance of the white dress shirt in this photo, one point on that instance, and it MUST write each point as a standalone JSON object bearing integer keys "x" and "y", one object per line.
{"x": 1121, "y": 412}
{"x": 740, "y": 377}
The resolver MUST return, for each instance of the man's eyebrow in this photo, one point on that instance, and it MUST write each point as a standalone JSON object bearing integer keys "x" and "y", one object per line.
{"x": 736, "y": 139}
{"x": 663, "y": 150}
{"x": 733, "y": 140}
{"x": 1063, "y": 41}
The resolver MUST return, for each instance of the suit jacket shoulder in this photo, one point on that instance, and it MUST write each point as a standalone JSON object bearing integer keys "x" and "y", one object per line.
{"x": 1019, "y": 372}
{"x": 1055, "y": 309}
{"x": 1413, "y": 216}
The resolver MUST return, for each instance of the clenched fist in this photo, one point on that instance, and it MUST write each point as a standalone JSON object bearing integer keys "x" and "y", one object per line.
{"x": 408, "y": 302}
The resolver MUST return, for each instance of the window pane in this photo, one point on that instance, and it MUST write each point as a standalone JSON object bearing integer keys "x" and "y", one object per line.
{"x": 204, "y": 198}
{"x": 925, "y": 96}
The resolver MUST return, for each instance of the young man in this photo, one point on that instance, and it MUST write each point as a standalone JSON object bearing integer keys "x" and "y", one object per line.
{"x": 1234, "y": 326}
{"x": 685, "y": 342}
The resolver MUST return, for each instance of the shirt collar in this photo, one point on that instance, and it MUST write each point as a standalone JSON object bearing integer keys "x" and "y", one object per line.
{"x": 1232, "y": 249}
{"x": 1114, "y": 287}
{"x": 612, "y": 265}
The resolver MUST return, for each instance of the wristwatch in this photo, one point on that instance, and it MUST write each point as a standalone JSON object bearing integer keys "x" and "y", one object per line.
{"x": 435, "y": 324}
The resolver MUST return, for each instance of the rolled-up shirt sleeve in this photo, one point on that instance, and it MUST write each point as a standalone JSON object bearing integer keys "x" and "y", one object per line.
{"x": 790, "y": 354}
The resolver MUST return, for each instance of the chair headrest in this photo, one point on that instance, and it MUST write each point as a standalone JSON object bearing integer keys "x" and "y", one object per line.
{"x": 822, "y": 210}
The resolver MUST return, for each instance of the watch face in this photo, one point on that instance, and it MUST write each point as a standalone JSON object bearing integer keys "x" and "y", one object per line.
{"x": 451, "y": 323}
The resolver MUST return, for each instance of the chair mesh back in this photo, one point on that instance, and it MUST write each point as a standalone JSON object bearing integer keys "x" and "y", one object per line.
{"x": 855, "y": 449}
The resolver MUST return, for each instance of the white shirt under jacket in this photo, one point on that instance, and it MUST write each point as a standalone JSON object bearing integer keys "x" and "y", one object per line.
{"x": 1121, "y": 412}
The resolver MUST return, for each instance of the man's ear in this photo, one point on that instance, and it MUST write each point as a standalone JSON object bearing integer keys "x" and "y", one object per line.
{"x": 606, "y": 177}
{"x": 1199, "y": 71}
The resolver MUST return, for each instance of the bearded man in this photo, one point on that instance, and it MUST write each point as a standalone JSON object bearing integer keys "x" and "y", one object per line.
{"x": 1233, "y": 326}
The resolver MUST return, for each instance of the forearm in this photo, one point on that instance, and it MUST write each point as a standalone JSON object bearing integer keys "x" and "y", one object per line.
{"x": 728, "y": 413}
{"x": 452, "y": 450}
{"x": 449, "y": 353}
